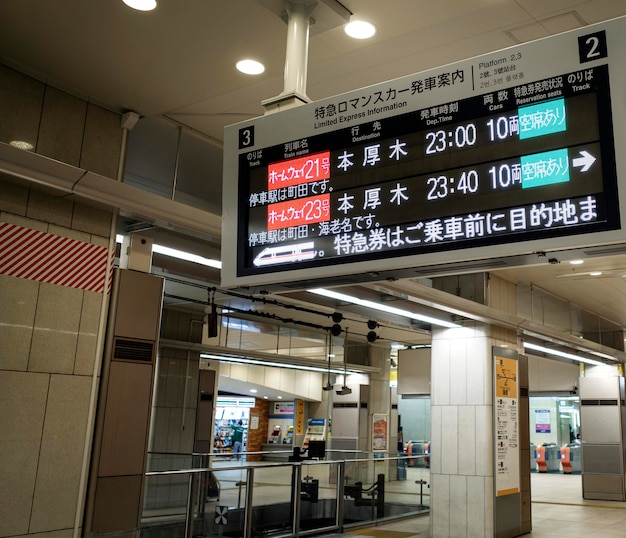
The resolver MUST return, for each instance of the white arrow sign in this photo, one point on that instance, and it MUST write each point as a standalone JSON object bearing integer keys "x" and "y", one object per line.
{"x": 585, "y": 160}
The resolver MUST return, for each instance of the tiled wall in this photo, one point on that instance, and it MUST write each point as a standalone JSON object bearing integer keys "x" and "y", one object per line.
{"x": 48, "y": 336}
{"x": 258, "y": 436}
{"x": 462, "y": 453}
{"x": 176, "y": 395}
{"x": 305, "y": 384}
{"x": 58, "y": 125}
{"x": 49, "y": 333}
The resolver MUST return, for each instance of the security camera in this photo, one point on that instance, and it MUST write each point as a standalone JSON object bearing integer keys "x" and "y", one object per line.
{"x": 344, "y": 391}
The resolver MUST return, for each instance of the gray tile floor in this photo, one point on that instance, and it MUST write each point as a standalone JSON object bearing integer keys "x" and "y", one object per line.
{"x": 558, "y": 509}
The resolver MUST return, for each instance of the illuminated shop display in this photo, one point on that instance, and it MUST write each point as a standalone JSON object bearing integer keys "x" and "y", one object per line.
{"x": 481, "y": 170}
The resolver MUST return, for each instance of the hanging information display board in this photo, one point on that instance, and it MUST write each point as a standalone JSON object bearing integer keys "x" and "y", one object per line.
{"x": 504, "y": 154}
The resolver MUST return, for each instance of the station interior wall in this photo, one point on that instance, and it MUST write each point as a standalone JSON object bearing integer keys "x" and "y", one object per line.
{"x": 49, "y": 336}
{"x": 49, "y": 401}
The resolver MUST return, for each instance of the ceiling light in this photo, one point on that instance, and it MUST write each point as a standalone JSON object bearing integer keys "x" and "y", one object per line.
{"x": 577, "y": 262}
{"x": 253, "y": 391}
{"x": 360, "y": 29}
{"x": 595, "y": 273}
{"x": 563, "y": 354}
{"x": 250, "y": 67}
{"x": 141, "y": 5}
{"x": 180, "y": 254}
{"x": 187, "y": 256}
{"x": 21, "y": 144}
{"x": 229, "y": 359}
{"x": 382, "y": 307}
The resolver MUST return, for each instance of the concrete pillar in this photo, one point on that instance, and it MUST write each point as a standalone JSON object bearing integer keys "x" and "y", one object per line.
{"x": 603, "y": 427}
{"x": 463, "y": 502}
{"x": 380, "y": 394}
{"x": 461, "y": 437}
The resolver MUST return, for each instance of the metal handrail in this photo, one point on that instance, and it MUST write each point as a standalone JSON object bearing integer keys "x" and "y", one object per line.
{"x": 197, "y": 473}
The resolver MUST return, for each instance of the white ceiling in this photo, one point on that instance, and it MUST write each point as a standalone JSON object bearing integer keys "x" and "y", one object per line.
{"x": 177, "y": 62}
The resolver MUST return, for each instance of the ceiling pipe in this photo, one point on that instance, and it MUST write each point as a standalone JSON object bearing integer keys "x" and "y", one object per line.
{"x": 296, "y": 57}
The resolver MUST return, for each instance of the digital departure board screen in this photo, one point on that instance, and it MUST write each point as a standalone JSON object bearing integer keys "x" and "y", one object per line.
{"x": 528, "y": 161}
{"x": 500, "y": 155}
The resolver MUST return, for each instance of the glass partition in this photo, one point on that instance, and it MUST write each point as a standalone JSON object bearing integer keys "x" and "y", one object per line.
{"x": 211, "y": 497}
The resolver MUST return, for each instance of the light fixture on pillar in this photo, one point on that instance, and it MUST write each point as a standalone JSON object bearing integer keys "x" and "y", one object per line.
{"x": 345, "y": 390}
{"x": 329, "y": 386}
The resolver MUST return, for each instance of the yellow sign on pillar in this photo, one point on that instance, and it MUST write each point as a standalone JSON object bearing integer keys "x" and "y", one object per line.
{"x": 299, "y": 417}
{"x": 506, "y": 434}
{"x": 506, "y": 378}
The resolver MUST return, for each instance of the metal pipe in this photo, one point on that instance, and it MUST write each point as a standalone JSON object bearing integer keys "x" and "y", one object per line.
{"x": 191, "y": 501}
{"x": 295, "y": 492}
{"x": 175, "y": 179}
{"x": 247, "y": 522}
{"x": 341, "y": 481}
{"x": 296, "y": 58}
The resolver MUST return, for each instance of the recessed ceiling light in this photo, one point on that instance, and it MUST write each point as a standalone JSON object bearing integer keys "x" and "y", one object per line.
{"x": 577, "y": 262}
{"x": 360, "y": 29}
{"x": 141, "y": 5}
{"x": 253, "y": 391}
{"x": 21, "y": 144}
{"x": 595, "y": 273}
{"x": 250, "y": 67}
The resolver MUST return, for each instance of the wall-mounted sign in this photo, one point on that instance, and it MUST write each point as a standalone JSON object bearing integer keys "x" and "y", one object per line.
{"x": 506, "y": 426}
{"x": 379, "y": 432}
{"x": 299, "y": 419}
{"x": 507, "y": 148}
{"x": 282, "y": 408}
{"x": 542, "y": 420}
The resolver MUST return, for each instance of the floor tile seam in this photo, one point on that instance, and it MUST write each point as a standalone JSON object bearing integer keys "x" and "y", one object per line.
{"x": 581, "y": 505}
